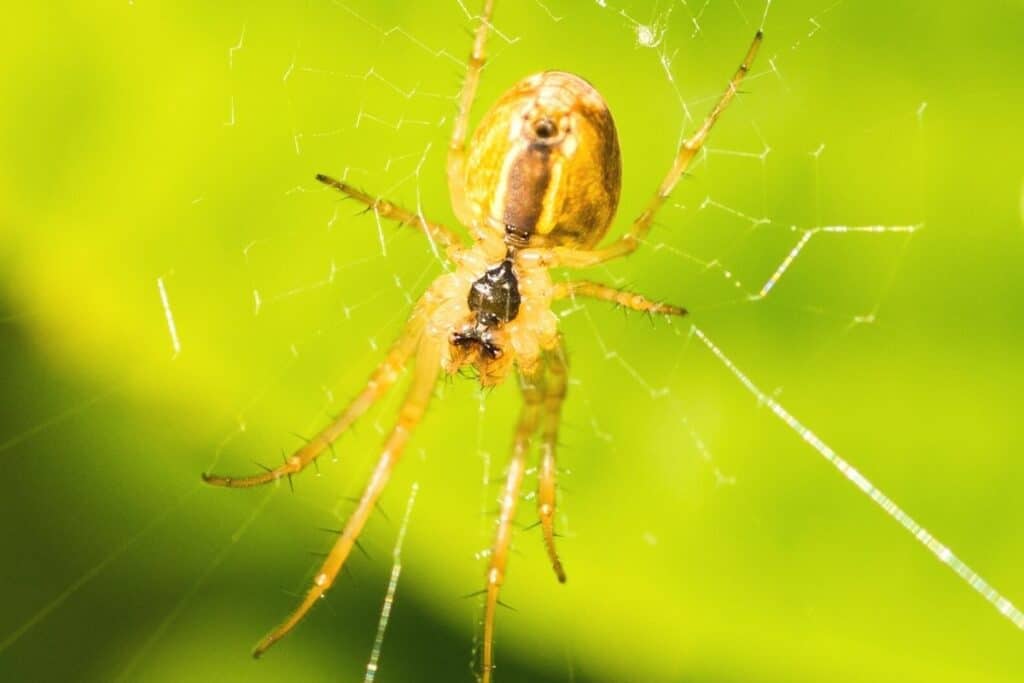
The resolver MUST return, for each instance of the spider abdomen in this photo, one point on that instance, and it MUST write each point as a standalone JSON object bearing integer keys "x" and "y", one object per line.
{"x": 544, "y": 164}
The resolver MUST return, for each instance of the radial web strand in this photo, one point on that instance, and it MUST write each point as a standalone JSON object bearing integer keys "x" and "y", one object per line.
{"x": 922, "y": 535}
{"x": 389, "y": 599}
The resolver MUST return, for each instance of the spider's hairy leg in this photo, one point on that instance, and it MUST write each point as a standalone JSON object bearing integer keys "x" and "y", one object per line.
{"x": 620, "y": 297}
{"x": 457, "y": 146}
{"x": 435, "y": 232}
{"x": 628, "y": 243}
{"x": 532, "y": 399}
{"x": 555, "y": 386}
{"x": 382, "y": 378}
{"x": 416, "y": 401}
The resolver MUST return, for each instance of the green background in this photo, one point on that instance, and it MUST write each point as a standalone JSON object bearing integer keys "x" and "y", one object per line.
{"x": 134, "y": 146}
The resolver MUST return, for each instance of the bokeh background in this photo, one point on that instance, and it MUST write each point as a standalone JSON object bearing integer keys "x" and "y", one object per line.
{"x": 176, "y": 143}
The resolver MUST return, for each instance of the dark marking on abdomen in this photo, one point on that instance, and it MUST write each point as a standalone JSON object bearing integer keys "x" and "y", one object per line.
{"x": 528, "y": 181}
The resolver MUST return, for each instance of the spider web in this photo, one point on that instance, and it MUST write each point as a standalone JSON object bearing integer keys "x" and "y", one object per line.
{"x": 702, "y": 509}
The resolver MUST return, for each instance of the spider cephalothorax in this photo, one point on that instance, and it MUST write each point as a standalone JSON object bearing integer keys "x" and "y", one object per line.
{"x": 537, "y": 188}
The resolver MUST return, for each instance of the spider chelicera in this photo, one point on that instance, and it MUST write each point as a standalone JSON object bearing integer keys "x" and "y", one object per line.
{"x": 537, "y": 188}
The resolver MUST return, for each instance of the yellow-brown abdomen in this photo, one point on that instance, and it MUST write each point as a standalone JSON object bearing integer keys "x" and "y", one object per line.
{"x": 544, "y": 164}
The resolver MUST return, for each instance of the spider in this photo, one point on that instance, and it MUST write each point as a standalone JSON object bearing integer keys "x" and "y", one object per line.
{"x": 537, "y": 188}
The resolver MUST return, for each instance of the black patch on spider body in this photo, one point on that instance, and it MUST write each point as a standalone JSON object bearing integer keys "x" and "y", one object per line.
{"x": 528, "y": 181}
{"x": 494, "y": 298}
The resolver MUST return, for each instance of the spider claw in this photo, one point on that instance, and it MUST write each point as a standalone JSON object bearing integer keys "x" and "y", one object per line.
{"x": 474, "y": 594}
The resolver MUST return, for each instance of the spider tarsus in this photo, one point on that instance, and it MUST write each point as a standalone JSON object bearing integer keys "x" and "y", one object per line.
{"x": 556, "y": 564}
{"x": 265, "y": 644}
{"x": 219, "y": 480}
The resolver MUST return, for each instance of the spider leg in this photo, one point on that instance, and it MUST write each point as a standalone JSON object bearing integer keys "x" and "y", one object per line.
{"x": 435, "y": 232}
{"x": 382, "y": 378}
{"x": 594, "y": 290}
{"x": 555, "y": 388}
{"x": 627, "y": 244}
{"x": 416, "y": 401}
{"x": 532, "y": 398}
{"x": 457, "y": 146}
